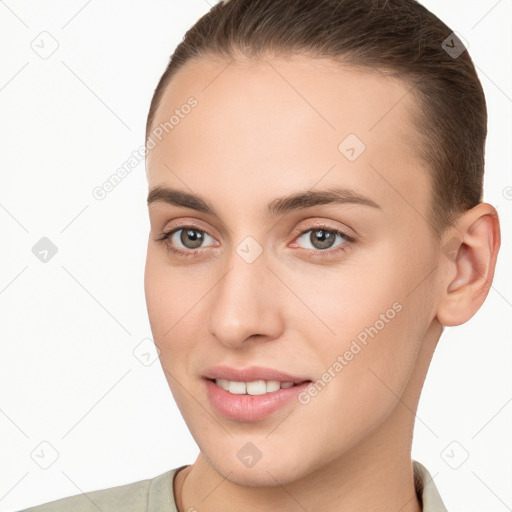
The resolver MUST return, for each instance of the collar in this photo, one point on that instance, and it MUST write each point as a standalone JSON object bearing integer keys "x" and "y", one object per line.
{"x": 426, "y": 489}
{"x": 161, "y": 495}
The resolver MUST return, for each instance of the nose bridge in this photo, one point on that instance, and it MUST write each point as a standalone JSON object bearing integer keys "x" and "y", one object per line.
{"x": 244, "y": 301}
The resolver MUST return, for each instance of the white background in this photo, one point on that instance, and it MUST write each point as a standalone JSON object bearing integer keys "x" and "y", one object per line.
{"x": 68, "y": 327}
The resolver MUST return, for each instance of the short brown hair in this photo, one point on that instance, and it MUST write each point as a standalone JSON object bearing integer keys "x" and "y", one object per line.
{"x": 400, "y": 37}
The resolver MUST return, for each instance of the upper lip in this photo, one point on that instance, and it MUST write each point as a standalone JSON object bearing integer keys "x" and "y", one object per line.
{"x": 251, "y": 373}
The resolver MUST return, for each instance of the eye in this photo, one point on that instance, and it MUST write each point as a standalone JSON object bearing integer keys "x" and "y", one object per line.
{"x": 189, "y": 240}
{"x": 185, "y": 240}
{"x": 322, "y": 238}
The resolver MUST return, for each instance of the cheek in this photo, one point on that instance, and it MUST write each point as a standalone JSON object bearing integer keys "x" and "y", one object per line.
{"x": 171, "y": 293}
{"x": 368, "y": 312}
{"x": 157, "y": 294}
{"x": 175, "y": 302}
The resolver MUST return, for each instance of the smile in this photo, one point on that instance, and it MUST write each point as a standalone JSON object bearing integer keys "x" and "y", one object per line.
{"x": 256, "y": 387}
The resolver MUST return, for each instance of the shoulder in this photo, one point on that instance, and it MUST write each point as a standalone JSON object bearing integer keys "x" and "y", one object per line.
{"x": 132, "y": 497}
{"x": 426, "y": 489}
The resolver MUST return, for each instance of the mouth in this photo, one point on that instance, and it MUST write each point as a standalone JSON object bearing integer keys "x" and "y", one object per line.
{"x": 252, "y": 393}
{"x": 251, "y": 374}
{"x": 255, "y": 387}
{"x": 252, "y": 400}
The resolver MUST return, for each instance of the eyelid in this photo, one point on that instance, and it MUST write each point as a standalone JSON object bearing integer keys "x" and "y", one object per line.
{"x": 330, "y": 252}
{"x": 184, "y": 224}
{"x": 167, "y": 234}
{"x": 319, "y": 224}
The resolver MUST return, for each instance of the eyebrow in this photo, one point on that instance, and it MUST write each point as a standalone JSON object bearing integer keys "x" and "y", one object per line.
{"x": 278, "y": 206}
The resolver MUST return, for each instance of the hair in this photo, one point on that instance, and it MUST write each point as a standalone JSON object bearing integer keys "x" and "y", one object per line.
{"x": 399, "y": 37}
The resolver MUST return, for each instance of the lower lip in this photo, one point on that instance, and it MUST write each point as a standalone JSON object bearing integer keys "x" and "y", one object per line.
{"x": 250, "y": 407}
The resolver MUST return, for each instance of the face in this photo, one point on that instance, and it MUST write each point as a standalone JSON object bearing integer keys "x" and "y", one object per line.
{"x": 331, "y": 290}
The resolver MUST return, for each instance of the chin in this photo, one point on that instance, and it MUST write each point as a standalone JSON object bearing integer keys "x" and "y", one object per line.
{"x": 264, "y": 476}
{"x": 271, "y": 471}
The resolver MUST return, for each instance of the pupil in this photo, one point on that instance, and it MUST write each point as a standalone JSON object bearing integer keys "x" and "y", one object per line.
{"x": 323, "y": 240}
{"x": 191, "y": 235}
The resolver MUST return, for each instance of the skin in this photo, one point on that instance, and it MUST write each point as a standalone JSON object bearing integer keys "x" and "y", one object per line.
{"x": 264, "y": 129}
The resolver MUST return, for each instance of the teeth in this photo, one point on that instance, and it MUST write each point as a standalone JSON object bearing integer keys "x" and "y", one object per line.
{"x": 256, "y": 387}
{"x": 272, "y": 385}
{"x": 237, "y": 388}
{"x": 223, "y": 383}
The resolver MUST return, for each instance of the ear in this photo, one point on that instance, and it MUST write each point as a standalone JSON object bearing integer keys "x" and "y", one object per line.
{"x": 468, "y": 259}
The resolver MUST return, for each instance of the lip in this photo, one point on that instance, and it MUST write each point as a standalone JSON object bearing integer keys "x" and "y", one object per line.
{"x": 251, "y": 373}
{"x": 251, "y": 408}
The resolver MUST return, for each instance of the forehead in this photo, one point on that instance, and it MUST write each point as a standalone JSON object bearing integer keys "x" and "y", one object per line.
{"x": 259, "y": 127}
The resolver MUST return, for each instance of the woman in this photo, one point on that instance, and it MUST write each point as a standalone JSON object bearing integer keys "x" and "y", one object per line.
{"x": 315, "y": 178}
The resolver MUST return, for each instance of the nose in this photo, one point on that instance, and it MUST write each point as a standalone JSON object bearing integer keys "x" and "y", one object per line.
{"x": 245, "y": 303}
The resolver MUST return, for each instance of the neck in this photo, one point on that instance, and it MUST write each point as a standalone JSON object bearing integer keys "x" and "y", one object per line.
{"x": 365, "y": 479}
{"x": 376, "y": 474}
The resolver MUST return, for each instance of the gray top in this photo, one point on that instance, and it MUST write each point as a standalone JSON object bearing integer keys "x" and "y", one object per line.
{"x": 156, "y": 495}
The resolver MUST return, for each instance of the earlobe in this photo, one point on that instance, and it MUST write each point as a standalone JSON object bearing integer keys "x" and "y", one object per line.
{"x": 468, "y": 260}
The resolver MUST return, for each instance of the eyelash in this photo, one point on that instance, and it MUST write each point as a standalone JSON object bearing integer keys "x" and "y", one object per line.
{"x": 316, "y": 253}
